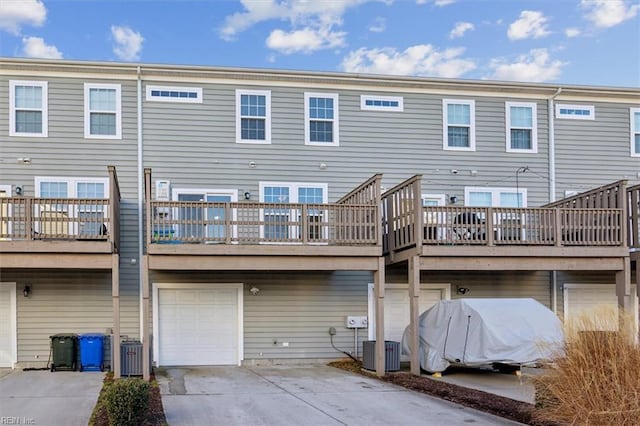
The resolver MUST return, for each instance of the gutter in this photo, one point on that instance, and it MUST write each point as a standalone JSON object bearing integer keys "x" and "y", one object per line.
{"x": 140, "y": 204}
{"x": 552, "y": 184}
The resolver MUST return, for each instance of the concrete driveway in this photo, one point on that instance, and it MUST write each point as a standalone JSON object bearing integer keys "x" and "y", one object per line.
{"x": 45, "y": 398}
{"x": 300, "y": 395}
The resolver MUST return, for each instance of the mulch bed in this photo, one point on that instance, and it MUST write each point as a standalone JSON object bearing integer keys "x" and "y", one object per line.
{"x": 494, "y": 404}
{"x": 155, "y": 413}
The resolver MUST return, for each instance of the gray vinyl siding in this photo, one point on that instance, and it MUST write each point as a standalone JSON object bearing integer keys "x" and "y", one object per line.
{"x": 66, "y": 153}
{"x": 201, "y": 138}
{"x": 293, "y": 307}
{"x": 583, "y": 145}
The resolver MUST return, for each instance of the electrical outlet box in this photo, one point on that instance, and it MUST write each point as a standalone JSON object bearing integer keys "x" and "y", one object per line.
{"x": 356, "y": 322}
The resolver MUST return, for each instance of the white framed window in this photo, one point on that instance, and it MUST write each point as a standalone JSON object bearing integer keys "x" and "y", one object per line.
{"x": 321, "y": 119}
{"x": 495, "y": 197}
{"x": 635, "y": 132}
{"x": 279, "y": 222}
{"x": 28, "y": 108}
{"x": 174, "y": 94}
{"x": 575, "y": 112}
{"x": 382, "y": 103}
{"x": 72, "y": 187}
{"x": 5, "y": 213}
{"x": 193, "y": 219}
{"x": 253, "y": 116}
{"x": 459, "y": 125}
{"x": 102, "y": 111}
{"x": 522, "y": 127}
{"x": 433, "y": 200}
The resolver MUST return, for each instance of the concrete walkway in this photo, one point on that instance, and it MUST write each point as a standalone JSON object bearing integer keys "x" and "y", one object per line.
{"x": 300, "y": 395}
{"x": 45, "y": 398}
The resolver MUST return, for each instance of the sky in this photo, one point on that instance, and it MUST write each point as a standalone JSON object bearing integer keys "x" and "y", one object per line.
{"x": 587, "y": 42}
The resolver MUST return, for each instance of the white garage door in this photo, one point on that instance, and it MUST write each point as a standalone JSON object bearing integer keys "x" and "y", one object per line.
{"x": 7, "y": 324}
{"x": 198, "y": 325}
{"x": 588, "y": 299}
{"x": 396, "y": 307}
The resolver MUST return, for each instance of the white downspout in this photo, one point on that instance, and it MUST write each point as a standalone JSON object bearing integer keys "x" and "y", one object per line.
{"x": 140, "y": 205}
{"x": 552, "y": 185}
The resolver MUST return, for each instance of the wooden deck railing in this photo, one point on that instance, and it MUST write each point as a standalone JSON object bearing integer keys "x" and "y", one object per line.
{"x": 633, "y": 203}
{"x": 402, "y": 216}
{"x": 72, "y": 219}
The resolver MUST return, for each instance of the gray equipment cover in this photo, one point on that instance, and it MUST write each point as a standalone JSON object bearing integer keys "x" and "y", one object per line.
{"x": 476, "y": 332}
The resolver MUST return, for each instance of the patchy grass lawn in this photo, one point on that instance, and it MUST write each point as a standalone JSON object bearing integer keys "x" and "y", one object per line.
{"x": 155, "y": 414}
{"x": 494, "y": 404}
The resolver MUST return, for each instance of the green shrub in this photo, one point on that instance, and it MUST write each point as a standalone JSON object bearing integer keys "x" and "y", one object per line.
{"x": 127, "y": 401}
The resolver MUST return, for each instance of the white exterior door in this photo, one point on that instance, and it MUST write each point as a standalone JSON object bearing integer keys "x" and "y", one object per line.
{"x": 198, "y": 324}
{"x": 588, "y": 299}
{"x": 8, "y": 337}
{"x": 396, "y": 307}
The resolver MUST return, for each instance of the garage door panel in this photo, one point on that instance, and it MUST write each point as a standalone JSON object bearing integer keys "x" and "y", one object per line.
{"x": 198, "y": 326}
{"x": 591, "y": 299}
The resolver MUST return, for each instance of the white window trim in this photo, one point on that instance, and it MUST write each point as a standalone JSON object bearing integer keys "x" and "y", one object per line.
{"x": 156, "y": 321}
{"x": 175, "y": 192}
{"x": 365, "y": 107}
{"x": 534, "y": 129}
{"x": 495, "y": 194}
{"x": 267, "y": 118}
{"x": 87, "y": 111}
{"x": 7, "y": 189}
{"x": 633, "y": 132}
{"x": 472, "y": 124}
{"x": 71, "y": 183}
{"x": 440, "y": 198}
{"x": 197, "y": 90}
{"x": 590, "y": 108}
{"x": 307, "y": 118}
{"x": 13, "y": 321}
{"x": 44, "y": 108}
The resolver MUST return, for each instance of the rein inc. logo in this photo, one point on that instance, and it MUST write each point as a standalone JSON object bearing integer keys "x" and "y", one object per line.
{"x": 11, "y": 420}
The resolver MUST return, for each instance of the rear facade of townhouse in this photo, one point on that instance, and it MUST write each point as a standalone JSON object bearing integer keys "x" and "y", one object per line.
{"x": 230, "y": 216}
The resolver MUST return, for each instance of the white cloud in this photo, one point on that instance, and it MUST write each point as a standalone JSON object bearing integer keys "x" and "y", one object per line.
{"x": 461, "y": 28}
{"x": 423, "y": 60}
{"x": 536, "y": 66}
{"x": 531, "y": 24}
{"x": 379, "y": 25}
{"x": 35, "y": 47}
{"x": 16, "y": 13}
{"x": 572, "y": 32}
{"x": 128, "y": 43}
{"x": 306, "y": 40}
{"x": 437, "y": 2}
{"x": 609, "y": 13}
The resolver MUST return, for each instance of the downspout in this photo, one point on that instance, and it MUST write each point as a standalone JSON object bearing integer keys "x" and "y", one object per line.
{"x": 140, "y": 206}
{"x": 552, "y": 185}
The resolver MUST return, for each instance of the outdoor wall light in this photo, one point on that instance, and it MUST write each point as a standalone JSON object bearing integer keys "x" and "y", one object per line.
{"x": 462, "y": 290}
{"x": 18, "y": 190}
{"x": 453, "y": 199}
{"x": 26, "y": 291}
{"x": 247, "y": 195}
{"x": 254, "y": 290}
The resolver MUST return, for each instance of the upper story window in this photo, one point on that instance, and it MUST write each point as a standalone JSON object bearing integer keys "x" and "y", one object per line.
{"x": 635, "y": 132}
{"x": 433, "y": 200}
{"x": 321, "y": 119}
{"x": 495, "y": 197}
{"x": 102, "y": 111}
{"x": 575, "y": 112}
{"x": 522, "y": 127}
{"x": 253, "y": 116}
{"x": 28, "y": 108}
{"x": 382, "y": 103}
{"x": 174, "y": 94}
{"x": 459, "y": 130}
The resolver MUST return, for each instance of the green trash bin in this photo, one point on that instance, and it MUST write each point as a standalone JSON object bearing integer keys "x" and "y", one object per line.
{"x": 63, "y": 352}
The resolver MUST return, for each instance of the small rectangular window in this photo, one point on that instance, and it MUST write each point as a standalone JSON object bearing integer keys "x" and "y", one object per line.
{"x": 102, "y": 111}
{"x": 174, "y": 94}
{"x": 495, "y": 197}
{"x": 28, "y": 108}
{"x": 382, "y": 103}
{"x": 575, "y": 112}
{"x": 521, "y": 127}
{"x": 253, "y": 116}
{"x": 321, "y": 119}
{"x": 635, "y": 132}
{"x": 459, "y": 129}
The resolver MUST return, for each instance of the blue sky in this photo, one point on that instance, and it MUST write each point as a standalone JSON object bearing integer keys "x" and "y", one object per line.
{"x": 593, "y": 42}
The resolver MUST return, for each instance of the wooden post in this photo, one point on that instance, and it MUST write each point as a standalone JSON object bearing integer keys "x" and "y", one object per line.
{"x": 558, "y": 226}
{"x": 146, "y": 336}
{"x": 414, "y": 312}
{"x": 378, "y": 282}
{"x": 623, "y": 286}
{"x": 115, "y": 296}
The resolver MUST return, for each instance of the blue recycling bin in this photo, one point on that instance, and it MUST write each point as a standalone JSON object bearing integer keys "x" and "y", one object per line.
{"x": 91, "y": 352}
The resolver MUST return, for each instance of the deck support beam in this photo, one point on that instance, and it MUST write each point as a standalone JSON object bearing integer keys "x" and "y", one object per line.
{"x": 414, "y": 313}
{"x": 146, "y": 336}
{"x": 623, "y": 286}
{"x": 115, "y": 297}
{"x": 379, "y": 283}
